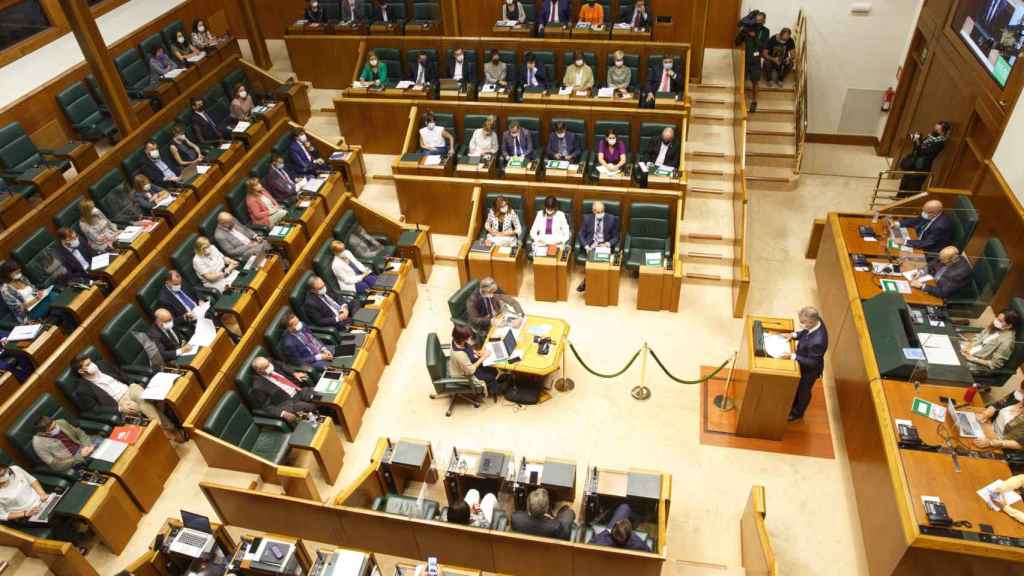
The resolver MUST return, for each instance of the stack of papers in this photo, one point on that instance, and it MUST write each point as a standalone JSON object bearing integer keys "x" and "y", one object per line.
{"x": 405, "y": 84}
{"x": 582, "y": 93}
{"x": 159, "y": 386}
{"x": 197, "y": 58}
{"x": 166, "y": 201}
{"x": 488, "y": 88}
{"x": 202, "y": 169}
{"x": 242, "y": 126}
{"x": 607, "y": 170}
{"x": 623, "y": 26}
{"x": 174, "y": 73}
{"x": 100, "y": 261}
{"x": 313, "y": 185}
{"x": 565, "y": 91}
{"x": 776, "y": 345}
{"x": 24, "y": 332}
{"x": 204, "y": 334}
{"x": 225, "y": 146}
{"x": 507, "y": 23}
{"x": 938, "y": 348}
{"x": 432, "y": 160}
{"x": 606, "y": 92}
{"x": 109, "y": 451}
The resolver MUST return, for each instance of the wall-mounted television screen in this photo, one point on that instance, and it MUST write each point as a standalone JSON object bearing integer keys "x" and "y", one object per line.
{"x": 994, "y": 31}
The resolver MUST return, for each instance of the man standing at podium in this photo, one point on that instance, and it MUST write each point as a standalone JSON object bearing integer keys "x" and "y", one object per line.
{"x": 811, "y": 344}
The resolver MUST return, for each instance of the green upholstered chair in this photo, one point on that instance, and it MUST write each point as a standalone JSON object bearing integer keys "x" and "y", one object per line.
{"x": 412, "y": 54}
{"x": 238, "y": 76}
{"x": 470, "y": 122}
{"x": 67, "y": 383}
{"x": 564, "y": 204}
{"x": 612, "y": 207}
{"x": 649, "y": 230}
{"x": 457, "y": 302}
{"x": 38, "y": 259}
{"x": 622, "y": 132}
{"x": 406, "y": 506}
{"x": 262, "y": 166}
{"x": 19, "y": 156}
{"x": 343, "y": 230}
{"x": 471, "y": 59}
{"x": 233, "y": 422}
{"x": 392, "y": 58}
{"x": 134, "y": 72}
{"x": 546, "y": 58}
{"x": 446, "y": 385}
{"x": 119, "y": 336}
{"x": 996, "y": 378}
{"x": 21, "y": 431}
{"x": 446, "y": 120}
{"x": 425, "y": 13}
{"x": 236, "y": 205}
{"x": 11, "y": 185}
{"x": 987, "y": 275}
{"x": 965, "y": 220}
{"x": 69, "y": 215}
{"x": 108, "y": 192}
{"x": 170, "y": 32}
{"x": 84, "y": 114}
{"x": 217, "y": 104}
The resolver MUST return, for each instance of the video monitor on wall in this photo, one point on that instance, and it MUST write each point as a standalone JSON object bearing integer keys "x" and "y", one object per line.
{"x": 994, "y": 31}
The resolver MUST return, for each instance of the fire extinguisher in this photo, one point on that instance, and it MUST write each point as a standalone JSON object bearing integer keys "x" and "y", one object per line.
{"x": 887, "y": 99}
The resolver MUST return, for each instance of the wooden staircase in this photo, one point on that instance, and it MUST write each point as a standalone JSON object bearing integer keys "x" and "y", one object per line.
{"x": 771, "y": 139}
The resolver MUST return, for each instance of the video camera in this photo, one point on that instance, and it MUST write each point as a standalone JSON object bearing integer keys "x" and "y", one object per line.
{"x": 749, "y": 22}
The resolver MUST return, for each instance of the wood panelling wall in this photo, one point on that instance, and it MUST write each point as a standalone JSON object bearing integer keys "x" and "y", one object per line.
{"x": 1001, "y": 216}
{"x": 39, "y": 112}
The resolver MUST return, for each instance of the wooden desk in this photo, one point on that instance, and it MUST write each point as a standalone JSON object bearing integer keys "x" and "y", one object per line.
{"x": 899, "y": 397}
{"x": 532, "y": 362}
{"x": 502, "y": 95}
{"x": 631, "y": 34}
{"x": 479, "y": 265}
{"x": 176, "y": 211}
{"x": 575, "y": 176}
{"x": 255, "y": 130}
{"x": 764, "y": 402}
{"x": 209, "y": 360}
{"x": 850, "y": 227}
{"x": 517, "y": 31}
{"x": 601, "y": 33}
{"x": 463, "y": 474}
{"x": 406, "y": 569}
{"x": 353, "y": 170}
{"x": 385, "y": 28}
{"x": 869, "y": 286}
{"x": 558, "y": 31}
{"x": 507, "y": 269}
{"x": 551, "y": 276}
{"x": 81, "y": 154}
{"x": 275, "y": 112}
{"x": 145, "y": 242}
{"x": 388, "y": 324}
{"x": 410, "y": 460}
{"x": 8, "y": 386}
{"x": 602, "y": 283}
{"x": 347, "y": 406}
{"x": 424, "y": 29}
{"x": 414, "y": 244}
{"x": 311, "y": 211}
{"x": 291, "y": 243}
{"x": 122, "y": 262}
{"x": 12, "y": 209}
{"x": 39, "y": 348}
{"x": 656, "y": 289}
{"x": 528, "y": 171}
{"x": 111, "y": 514}
{"x": 184, "y": 395}
{"x": 143, "y": 467}
{"x": 46, "y": 180}
{"x": 80, "y": 303}
{"x": 296, "y": 557}
{"x": 475, "y": 170}
{"x": 405, "y": 290}
{"x": 369, "y": 366}
{"x": 205, "y": 182}
{"x": 324, "y": 442}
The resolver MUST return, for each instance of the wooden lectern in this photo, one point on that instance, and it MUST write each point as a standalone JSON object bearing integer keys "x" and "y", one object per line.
{"x": 551, "y": 276}
{"x": 763, "y": 403}
{"x": 603, "y": 283}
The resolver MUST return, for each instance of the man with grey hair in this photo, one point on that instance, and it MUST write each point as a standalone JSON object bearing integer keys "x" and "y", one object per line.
{"x": 488, "y": 303}
{"x": 599, "y": 230}
{"x": 537, "y": 520}
{"x": 811, "y": 344}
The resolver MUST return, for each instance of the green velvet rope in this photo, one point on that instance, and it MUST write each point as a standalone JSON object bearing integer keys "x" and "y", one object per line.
{"x": 680, "y": 380}
{"x": 598, "y": 374}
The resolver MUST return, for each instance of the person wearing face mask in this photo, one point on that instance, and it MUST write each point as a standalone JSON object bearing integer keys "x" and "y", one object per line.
{"x": 237, "y": 240}
{"x": 184, "y": 152}
{"x": 935, "y": 230}
{"x": 183, "y": 50}
{"x": 242, "y": 104}
{"x": 324, "y": 307}
{"x": 435, "y": 140}
{"x": 100, "y": 387}
{"x": 517, "y": 142}
{"x": 662, "y": 152}
{"x": 503, "y": 227}
{"x": 178, "y": 297}
{"x": 461, "y": 69}
{"x": 159, "y": 170}
{"x": 25, "y": 302}
{"x": 550, "y": 227}
{"x": 599, "y": 230}
{"x": 611, "y": 152}
{"x": 207, "y": 130}
{"x": 21, "y": 495}
{"x": 923, "y": 153}
{"x": 352, "y": 12}
{"x": 262, "y": 208}
{"x": 170, "y": 339}
{"x": 204, "y": 38}
{"x": 351, "y": 274}
{"x": 990, "y": 349}
{"x": 281, "y": 185}
{"x": 579, "y": 76}
{"x": 487, "y": 304}
{"x": 100, "y": 232}
{"x": 663, "y": 78}
{"x": 212, "y": 266}
{"x": 147, "y": 195}
{"x": 485, "y": 139}
{"x": 160, "y": 64}
{"x": 534, "y": 77}
{"x": 75, "y": 255}
{"x": 303, "y": 349}
{"x": 314, "y": 14}
{"x": 563, "y": 144}
{"x": 467, "y": 359}
{"x": 812, "y": 343}
{"x": 512, "y": 10}
{"x": 1007, "y": 418}
{"x": 592, "y": 13}
{"x": 554, "y": 13}
{"x": 423, "y": 72}
{"x": 951, "y": 271}
{"x": 281, "y": 392}
{"x": 60, "y": 445}
{"x": 496, "y": 71}
{"x": 374, "y": 71}
{"x": 303, "y": 158}
{"x": 639, "y": 18}
{"x": 620, "y": 76}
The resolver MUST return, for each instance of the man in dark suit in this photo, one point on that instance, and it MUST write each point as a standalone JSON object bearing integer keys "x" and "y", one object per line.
{"x": 935, "y": 229}
{"x": 952, "y": 273}
{"x": 554, "y": 13}
{"x": 205, "y": 129}
{"x": 325, "y": 308}
{"x": 811, "y": 344}
{"x": 533, "y": 75}
{"x": 921, "y": 157}
{"x": 461, "y": 69}
{"x": 352, "y": 11}
{"x": 302, "y": 347}
{"x": 486, "y": 303}
{"x": 159, "y": 169}
{"x": 279, "y": 182}
{"x": 75, "y": 255}
{"x": 516, "y": 141}
{"x": 180, "y": 299}
{"x": 303, "y": 157}
{"x": 662, "y": 77}
{"x": 599, "y": 230}
{"x": 663, "y": 151}
{"x": 171, "y": 340}
{"x": 422, "y": 72}
{"x": 640, "y": 18}
{"x": 280, "y": 391}
{"x": 537, "y": 521}
{"x": 563, "y": 145}
{"x": 620, "y": 532}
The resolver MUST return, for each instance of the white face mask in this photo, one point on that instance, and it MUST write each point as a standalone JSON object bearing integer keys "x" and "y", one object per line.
{"x": 243, "y": 94}
{"x": 561, "y": 134}
{"x": 612, "y": 141}
{"x": 431, "y": 125}
{"x": 599, "y": 217}
{"x": 91, "y": 369}
{"x": 148, "y": 187}
{"x": 270, "y": 370}
{"x": 175, "y": 287}
{"x": 667, "y": 65}
{"x": 999, "y": 324}
{"x": 16, "y": 276}
{"x": 373, "y": 62}
{"x": 298, "y": 326}
{"x": 550, "y": 212}
{"x": 1019, "y": 395}
{"x": 322, "y": 291}
{"x": 579, "y": 62}
{"x": 314, "y": 5}
{"x": 619, "y": 63}
{"x": 201, "y": 28}
{"x": 73, "y": 244}
{"x": 460, "y": 58}
{"x": 167, "y": 325}
{"x": 154, "y": 154}
{"x": 181, "y": 39}
{"x": 504, "y": 210}
{"x": 303, "y": 138}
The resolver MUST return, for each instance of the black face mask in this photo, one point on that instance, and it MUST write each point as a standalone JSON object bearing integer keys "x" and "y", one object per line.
{"x": 936, "y": 133}
{"x": 495, "y": 60}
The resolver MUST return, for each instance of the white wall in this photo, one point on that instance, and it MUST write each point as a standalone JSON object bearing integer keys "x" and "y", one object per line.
{"x": 1008, "y": 153}
{"x": 845, "y": 51}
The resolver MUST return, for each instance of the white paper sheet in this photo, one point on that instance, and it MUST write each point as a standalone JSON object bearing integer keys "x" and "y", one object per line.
{"x": 159, "y": 386}
{"x": 230, "y": 279}
{"x": 174, "y": 73}
{"x": 202, "y": 169}
{"x": 24, "y": 332}
{"x": 432, "y": 160}
{"x": 606, "y": 92}
{"x": 130, "y": 233}
{"x": 313, "y": 185}
{"x": 1008, "y": 498}
{"x": 938, "y": 348}
{"x": 565, "y": 91}
{"x": 100, "y": 261}
{"x": 167, "y": 201}
{"x": 776, "y": 346}
{"x": 46, "y": 292}
{"x": 109, "y": 450}
{"x": 242, "y": 126}
{"x": 204, "y": 334}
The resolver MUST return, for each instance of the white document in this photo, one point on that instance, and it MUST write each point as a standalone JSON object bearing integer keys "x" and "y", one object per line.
{"x": 565, "y": 91}
{"x": 348, "y": 562}
{"x": 432, "y": 160}
{"x": 167, "y": 201}
{"x": 100, "y": 261}
{"x": 1007, "y": 498}
{"x": 109, "y": 450}
{"x": 776, "y": 346}
{"x": 225, "y": 146}
{"x": 24, "y": 332}
{"x": 488, "y": 88}
{"x": 174, "y": 73}
{"x": 405, "y": 84}
{"x": 230, "y": 279}
{"x": 242, "y": 126}
{"x": 313, "y": 185}
{"x": 582, "y": 93}
{"x": 359, "y": 84}
{"x": 541, "y": 330}
{"x": 130, "y": 233}
{"x": 159, "y": 386}
{"x": 204, "y": 334}
{"x": 46, "y": 292}
{"x": 606, "y": 92}
{"x": 196, "y": 58}
{"x": 938, "y": 349}
{"x": 202, "y": 169}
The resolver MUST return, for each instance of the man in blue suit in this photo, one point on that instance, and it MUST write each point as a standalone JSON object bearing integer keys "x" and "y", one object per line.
{"x": 934, "y": 229}
{"x": 302, "y": 348}
{"x": 303, "y": 158}
{"x": 75, "y": 255}
{"x": 564, "y": 145}
{"x": 600, "y": 230}
{"x": 533, "y": 75}
{"x": 554, "y": 13}
{"x": 160, "y": 171}
{"x": 811, "y": 344}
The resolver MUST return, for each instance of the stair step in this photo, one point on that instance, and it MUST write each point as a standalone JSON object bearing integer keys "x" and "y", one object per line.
{"x": 715, "y": 257}
{"x": 698, "y": 118}
{"x": 787, "y": 150}
{"x": 712, "y": 86}
{"x": 699, "y": 189}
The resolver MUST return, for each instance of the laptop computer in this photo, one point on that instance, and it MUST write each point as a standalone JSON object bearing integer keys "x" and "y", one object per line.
{"x": 195, "y": 538}
{"x": 503, "y": 348}
{"x": 43, "y": 516}
{"x": 966, "y": 422}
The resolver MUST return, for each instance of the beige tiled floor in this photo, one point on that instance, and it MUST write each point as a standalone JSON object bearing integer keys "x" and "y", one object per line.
{"x": 812, "y": 518}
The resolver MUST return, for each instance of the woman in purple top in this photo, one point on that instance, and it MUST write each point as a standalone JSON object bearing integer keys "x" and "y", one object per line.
{"x": 611, "y": 152}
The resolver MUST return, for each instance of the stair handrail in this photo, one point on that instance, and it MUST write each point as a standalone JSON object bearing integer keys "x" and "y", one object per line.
{"x": 800, "y": 100}
{"x": 740, "y": 200}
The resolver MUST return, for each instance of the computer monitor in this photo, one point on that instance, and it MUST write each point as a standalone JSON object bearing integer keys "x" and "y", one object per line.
{"x": 994, "y": 31}
{"x": 196, "y": 522}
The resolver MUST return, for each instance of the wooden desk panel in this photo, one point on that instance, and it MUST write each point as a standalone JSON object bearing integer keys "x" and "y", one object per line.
{"x": 40, "y": 348}
{"x": 868, "y": 286}
{"x": 184, "y": 395}
{"x": 857, "y": 245}
{"x": 900, "y": 397}
{"x": 369, "y": 365}
{"x": 602, "y": 284}
{"x": 551, "y": 276}
{"x": 406, "y": 291}
{"x": 507, "y": 270}
{"x": 112, "y": 515}
{"x": 145, "y": 466}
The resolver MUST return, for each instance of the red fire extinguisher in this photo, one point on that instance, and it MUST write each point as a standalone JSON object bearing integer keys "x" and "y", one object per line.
{"x": 887, "y": 99}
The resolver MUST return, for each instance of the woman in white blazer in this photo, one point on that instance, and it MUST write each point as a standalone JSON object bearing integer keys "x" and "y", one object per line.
{"x": 352, "y": 275}
{"x": 550, "y": 227}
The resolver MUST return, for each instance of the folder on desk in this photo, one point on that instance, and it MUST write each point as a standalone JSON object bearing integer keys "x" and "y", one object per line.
{"x": 386, "y": 281}
{"x": 480, "y": 246}
{"x": 366, "y": 316}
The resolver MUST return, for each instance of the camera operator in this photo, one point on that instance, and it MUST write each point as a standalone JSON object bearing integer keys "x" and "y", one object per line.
{"x": 754, "y": 36}
{"x": 926, "y": 149}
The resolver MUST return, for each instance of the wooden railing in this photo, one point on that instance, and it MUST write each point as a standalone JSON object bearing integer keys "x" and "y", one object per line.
{"x": 800, "y": 102}
{"x": 740, "y": 199}
{"x": 755, "y": 546}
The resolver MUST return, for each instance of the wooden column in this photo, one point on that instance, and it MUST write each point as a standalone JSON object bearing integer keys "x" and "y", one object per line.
{"x": 257, "y": 41}
{"x": 83, "y": 25}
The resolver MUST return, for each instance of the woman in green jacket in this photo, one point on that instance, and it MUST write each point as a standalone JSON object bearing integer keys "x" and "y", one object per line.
{"x": 374, "y": 70}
